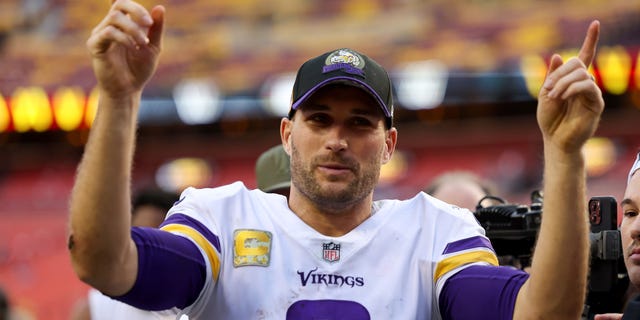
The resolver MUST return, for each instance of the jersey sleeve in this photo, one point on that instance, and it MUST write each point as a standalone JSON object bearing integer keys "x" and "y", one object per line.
{"x": 459, "y": 242}
{"x": 486, "y": 290}
{"x": 189, "y": 218}
{"x": 180, "y": 262}
{"x": 467, "y": 276}
{"x": 171, "y": 272}
{"x": 202, "y": 216}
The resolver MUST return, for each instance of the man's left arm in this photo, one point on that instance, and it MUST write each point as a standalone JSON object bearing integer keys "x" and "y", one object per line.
{"x": 569, "y": 108}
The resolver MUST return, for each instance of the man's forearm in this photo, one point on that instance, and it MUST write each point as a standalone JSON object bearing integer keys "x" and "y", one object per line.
{"x": 559, "y": 268}
{"x": 100, "y": 242}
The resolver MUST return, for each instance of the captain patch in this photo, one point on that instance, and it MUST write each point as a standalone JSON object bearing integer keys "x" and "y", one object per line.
{"x": 251, "y": 248}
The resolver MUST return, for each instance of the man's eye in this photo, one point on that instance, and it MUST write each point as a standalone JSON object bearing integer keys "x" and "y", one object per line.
{"x": 319, "y": 118}
{"x": 362, "y": 122}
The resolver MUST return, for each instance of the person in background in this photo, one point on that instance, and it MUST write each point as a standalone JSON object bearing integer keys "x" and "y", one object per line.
{"x": 630, "y": 237}
{"x": 273, "y": 171}
{"x": 4, "y": 305}
{"x": 462, "y": 188}
{"x": 467, "y": 190}
{"x": 12, "y": 312}
{"x": 330, "y": 251}
{"x": 150, "y": 206}
{"x": 149, "y": 209}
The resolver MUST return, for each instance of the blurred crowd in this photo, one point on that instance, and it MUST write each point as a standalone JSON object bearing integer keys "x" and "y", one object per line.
{"x": 242, "y": 43}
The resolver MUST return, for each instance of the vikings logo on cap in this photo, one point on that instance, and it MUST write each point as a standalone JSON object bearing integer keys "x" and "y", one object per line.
{"x": 345, "y": 56}
{"x": 345, "y": 60}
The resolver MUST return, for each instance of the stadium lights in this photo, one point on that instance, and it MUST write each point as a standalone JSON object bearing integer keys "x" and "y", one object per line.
{"x": 614, "y": 64}
{"x": 5, "y": 117}
{"x": 601, "y": 155}
{"x": 533, "y": 69}
{"x": 68, "y": 108}
{"x": 31, "y": 110}
{"x": 421, "y": 84}
{"x": 177, "y": 174}
{"x": 637, "y": 72}
{"x": 276, "y": 94}
{"x": 92, "y": 108}
{"x": 197, "y": 101}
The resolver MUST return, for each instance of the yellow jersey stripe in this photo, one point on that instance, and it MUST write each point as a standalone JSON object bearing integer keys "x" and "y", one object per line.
{"x": 194, "y": 235}
{"x": 453, "y": 262}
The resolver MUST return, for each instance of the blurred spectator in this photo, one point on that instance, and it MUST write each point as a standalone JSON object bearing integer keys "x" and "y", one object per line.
{"x": 461, "y": 188}
{"x": 467, "y": 190}
{"x": 149, "y": 208}
{"x": 9, "y": 312}
{"x": 4, "y": 305}
{"x": 273, "y": 171}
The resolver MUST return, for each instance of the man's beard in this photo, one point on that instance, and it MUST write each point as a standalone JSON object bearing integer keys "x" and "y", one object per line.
{"x": 303, "y": 178}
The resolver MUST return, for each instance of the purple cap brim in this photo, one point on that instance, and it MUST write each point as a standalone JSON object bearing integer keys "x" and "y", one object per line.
{"x": 359, "y": 83}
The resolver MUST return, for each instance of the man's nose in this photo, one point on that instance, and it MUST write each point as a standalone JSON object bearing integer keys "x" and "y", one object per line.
{"x": 635, "y": 229}
{"x": 337, "y": 139}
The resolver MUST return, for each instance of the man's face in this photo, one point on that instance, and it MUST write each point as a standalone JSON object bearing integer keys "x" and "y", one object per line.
{"x": 630, "y": 228}
{"x": 337, "y": 141}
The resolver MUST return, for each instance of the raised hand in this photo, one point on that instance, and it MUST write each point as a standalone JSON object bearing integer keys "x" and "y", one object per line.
{"x": 125, "y": 47}
{"x": 570, "y": 103}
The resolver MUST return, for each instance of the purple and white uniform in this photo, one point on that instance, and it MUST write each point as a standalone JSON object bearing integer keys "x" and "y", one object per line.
{"x": 243, "y": 254}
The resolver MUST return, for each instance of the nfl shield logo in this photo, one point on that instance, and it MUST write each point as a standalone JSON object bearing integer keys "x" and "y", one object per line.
{"x": 331, "y": 252}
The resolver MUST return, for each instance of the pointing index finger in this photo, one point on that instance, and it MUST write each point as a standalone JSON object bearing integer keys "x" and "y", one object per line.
{"x": 588, "y": 50}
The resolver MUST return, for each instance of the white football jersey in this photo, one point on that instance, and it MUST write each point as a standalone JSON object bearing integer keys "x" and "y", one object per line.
{"x": 265, "y": 263}
{"x": 102, "y": 307}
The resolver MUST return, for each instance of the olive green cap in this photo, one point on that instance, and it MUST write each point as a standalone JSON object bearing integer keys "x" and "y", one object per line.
{"x": 273, "y": 170}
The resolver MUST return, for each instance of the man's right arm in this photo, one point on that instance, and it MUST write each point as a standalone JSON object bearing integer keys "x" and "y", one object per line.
{"x": 102, "y": 252}
{"x": 124, "y": 49}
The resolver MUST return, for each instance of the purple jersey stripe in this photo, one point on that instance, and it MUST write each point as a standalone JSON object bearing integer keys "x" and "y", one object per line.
{"x": 183, "y": 219}
{"x": 468, "y": 243}
{"x": 481, "y": 292}
{"x": 171, "y": 271}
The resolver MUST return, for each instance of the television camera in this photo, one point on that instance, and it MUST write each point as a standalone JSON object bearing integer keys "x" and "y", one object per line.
{"x": 513, "y": 230}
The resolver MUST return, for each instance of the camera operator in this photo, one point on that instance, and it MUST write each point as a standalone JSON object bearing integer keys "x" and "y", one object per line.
{"x": 630, "y": 236}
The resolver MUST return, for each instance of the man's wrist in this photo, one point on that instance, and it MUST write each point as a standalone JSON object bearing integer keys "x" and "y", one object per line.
{"x": 556, "y": 155}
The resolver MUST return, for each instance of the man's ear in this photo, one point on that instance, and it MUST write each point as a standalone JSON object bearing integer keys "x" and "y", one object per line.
{"x": 285, "y": 134}
{"x": 390, "y": 145}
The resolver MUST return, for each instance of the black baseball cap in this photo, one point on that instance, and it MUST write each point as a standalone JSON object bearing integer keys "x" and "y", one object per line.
{"x": 343, "y": 66}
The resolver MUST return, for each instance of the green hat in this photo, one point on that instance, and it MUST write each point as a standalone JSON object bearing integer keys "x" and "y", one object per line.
{"x": 273, "y": 171}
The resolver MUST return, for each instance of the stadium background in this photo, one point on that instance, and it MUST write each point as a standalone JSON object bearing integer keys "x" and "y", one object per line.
{"x": 484, "y": 61}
